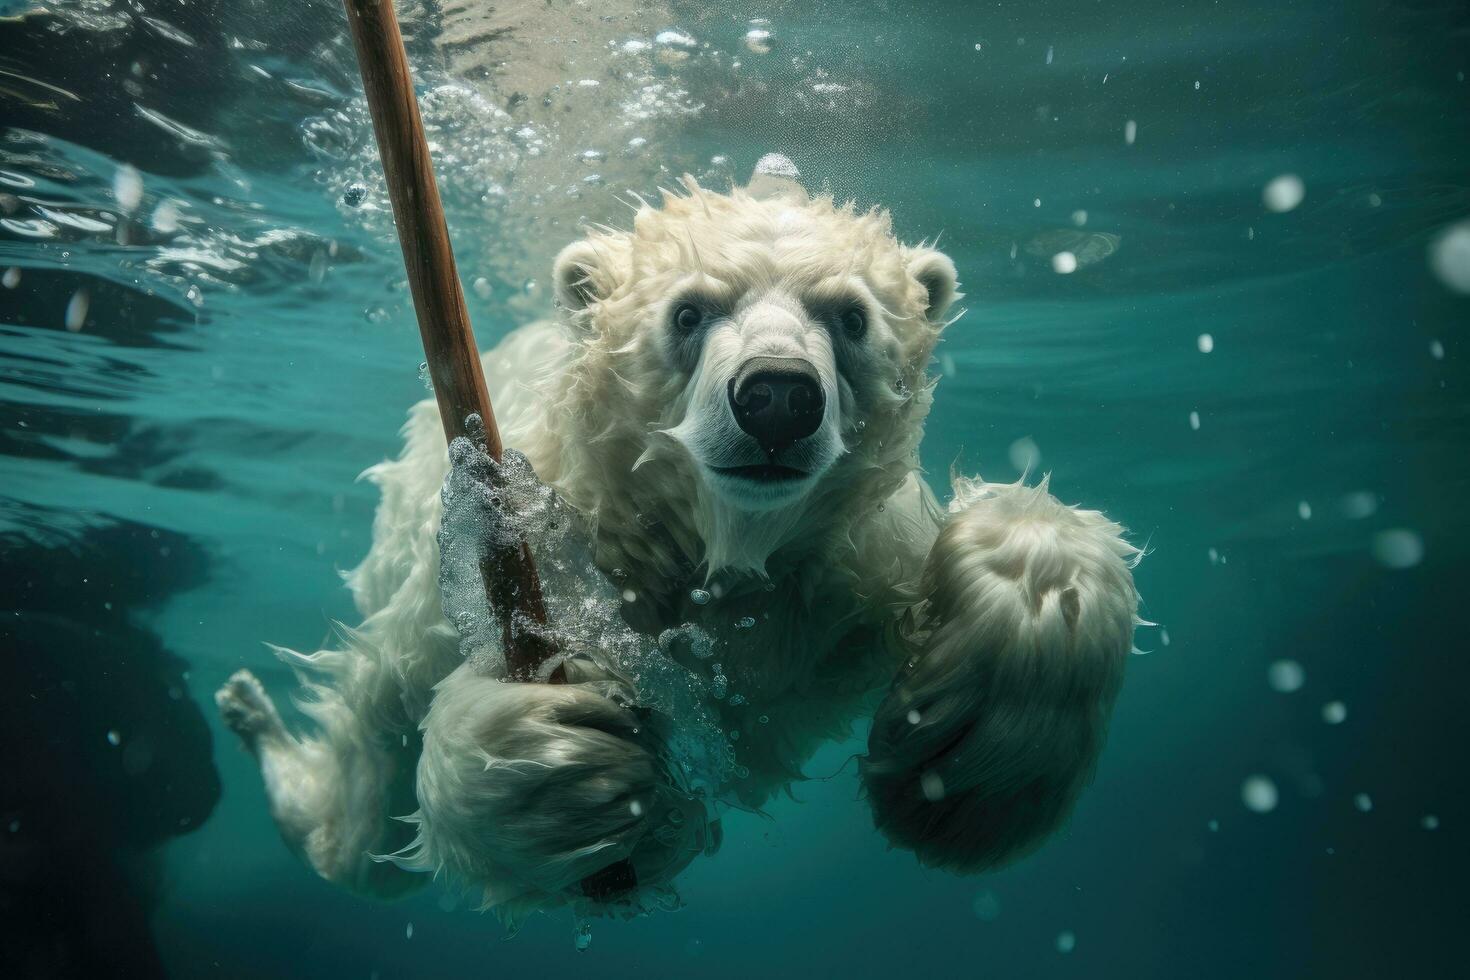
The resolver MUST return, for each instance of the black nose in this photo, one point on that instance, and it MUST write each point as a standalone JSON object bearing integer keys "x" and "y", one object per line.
{"x": 778, "y": 400}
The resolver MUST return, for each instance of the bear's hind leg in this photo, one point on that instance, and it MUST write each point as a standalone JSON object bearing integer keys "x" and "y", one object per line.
{"x": 327, "y": 795}
{"x": 293, "y": 785}
{"x": 249, "y": 712}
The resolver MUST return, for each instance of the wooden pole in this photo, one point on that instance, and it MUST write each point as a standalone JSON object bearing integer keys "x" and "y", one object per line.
{"x": 511, "y": 584}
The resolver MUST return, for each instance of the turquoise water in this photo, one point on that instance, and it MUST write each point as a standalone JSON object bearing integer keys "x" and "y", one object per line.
{"x": 1273, "y": 398}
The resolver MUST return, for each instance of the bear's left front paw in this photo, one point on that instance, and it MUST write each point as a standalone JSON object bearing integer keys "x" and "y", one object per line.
{"x": 995, "y": 725}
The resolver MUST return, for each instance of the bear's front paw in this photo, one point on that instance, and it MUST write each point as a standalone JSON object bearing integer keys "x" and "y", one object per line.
{"x": 533, "y": 791}
{"x": 995, "y": 725}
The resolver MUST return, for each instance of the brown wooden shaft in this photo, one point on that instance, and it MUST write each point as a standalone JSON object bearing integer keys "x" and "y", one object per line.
{"x": 511, "y": 583}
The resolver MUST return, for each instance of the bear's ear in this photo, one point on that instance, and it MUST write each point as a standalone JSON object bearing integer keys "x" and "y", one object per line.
{"x": 936, "y": 273}
{"x": 578, "y": 275}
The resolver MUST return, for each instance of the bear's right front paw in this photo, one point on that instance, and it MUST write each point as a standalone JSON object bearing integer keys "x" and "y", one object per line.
{"x": 530, "y": 790}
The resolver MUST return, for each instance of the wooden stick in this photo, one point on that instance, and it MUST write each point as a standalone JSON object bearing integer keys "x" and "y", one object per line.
{"x": 511, "y": 584}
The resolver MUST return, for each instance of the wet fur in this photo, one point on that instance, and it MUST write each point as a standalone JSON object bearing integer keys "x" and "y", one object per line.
{"x": 989, "y": 640}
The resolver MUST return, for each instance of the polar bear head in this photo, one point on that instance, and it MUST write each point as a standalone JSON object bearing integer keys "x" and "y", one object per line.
{"x": 760, "y": 355}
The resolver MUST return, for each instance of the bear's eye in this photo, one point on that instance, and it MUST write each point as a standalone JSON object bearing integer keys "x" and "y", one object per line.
{"x": 854, "y": 324}
{"x": 687, "y": 317}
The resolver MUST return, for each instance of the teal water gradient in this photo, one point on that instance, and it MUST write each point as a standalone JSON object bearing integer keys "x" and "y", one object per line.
{"x": 1335, "y": 384}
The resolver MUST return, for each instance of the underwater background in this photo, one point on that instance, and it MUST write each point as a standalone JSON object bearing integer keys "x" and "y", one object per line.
{"x": 1217, "y": 266}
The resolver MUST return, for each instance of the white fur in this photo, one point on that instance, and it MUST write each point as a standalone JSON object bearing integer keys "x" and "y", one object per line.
{"x": 993, "y": 728}
{"x": 1006, "y": 621}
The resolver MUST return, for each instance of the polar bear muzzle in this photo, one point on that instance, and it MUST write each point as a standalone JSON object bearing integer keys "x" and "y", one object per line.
{"x": 777, "y": 400}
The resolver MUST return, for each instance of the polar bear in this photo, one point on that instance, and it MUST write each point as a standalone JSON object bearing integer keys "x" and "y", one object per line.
{"x": 730, "y": 403}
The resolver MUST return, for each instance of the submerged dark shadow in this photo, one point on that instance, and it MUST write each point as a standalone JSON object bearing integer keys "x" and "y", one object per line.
{"x": 105, "y": 755}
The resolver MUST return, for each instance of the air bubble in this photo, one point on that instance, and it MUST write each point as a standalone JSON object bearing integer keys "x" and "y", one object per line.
{"x": 76, "y": 310}
{"x": 1259, "y": 794}
{"x": 1025, "y": 454}
{"x": 1284, "y": 193}
{"x": 745, "y": 622}
{"x": 1449, "y": 257}
{"x": 758, "y": 40}
{"x": 699, "y": 596}
{"x": 1286, "y": 676}
{"x": 127, "y": 187}
{"x": 1398, "y": 548}
{"x": 1359, "y": 504}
